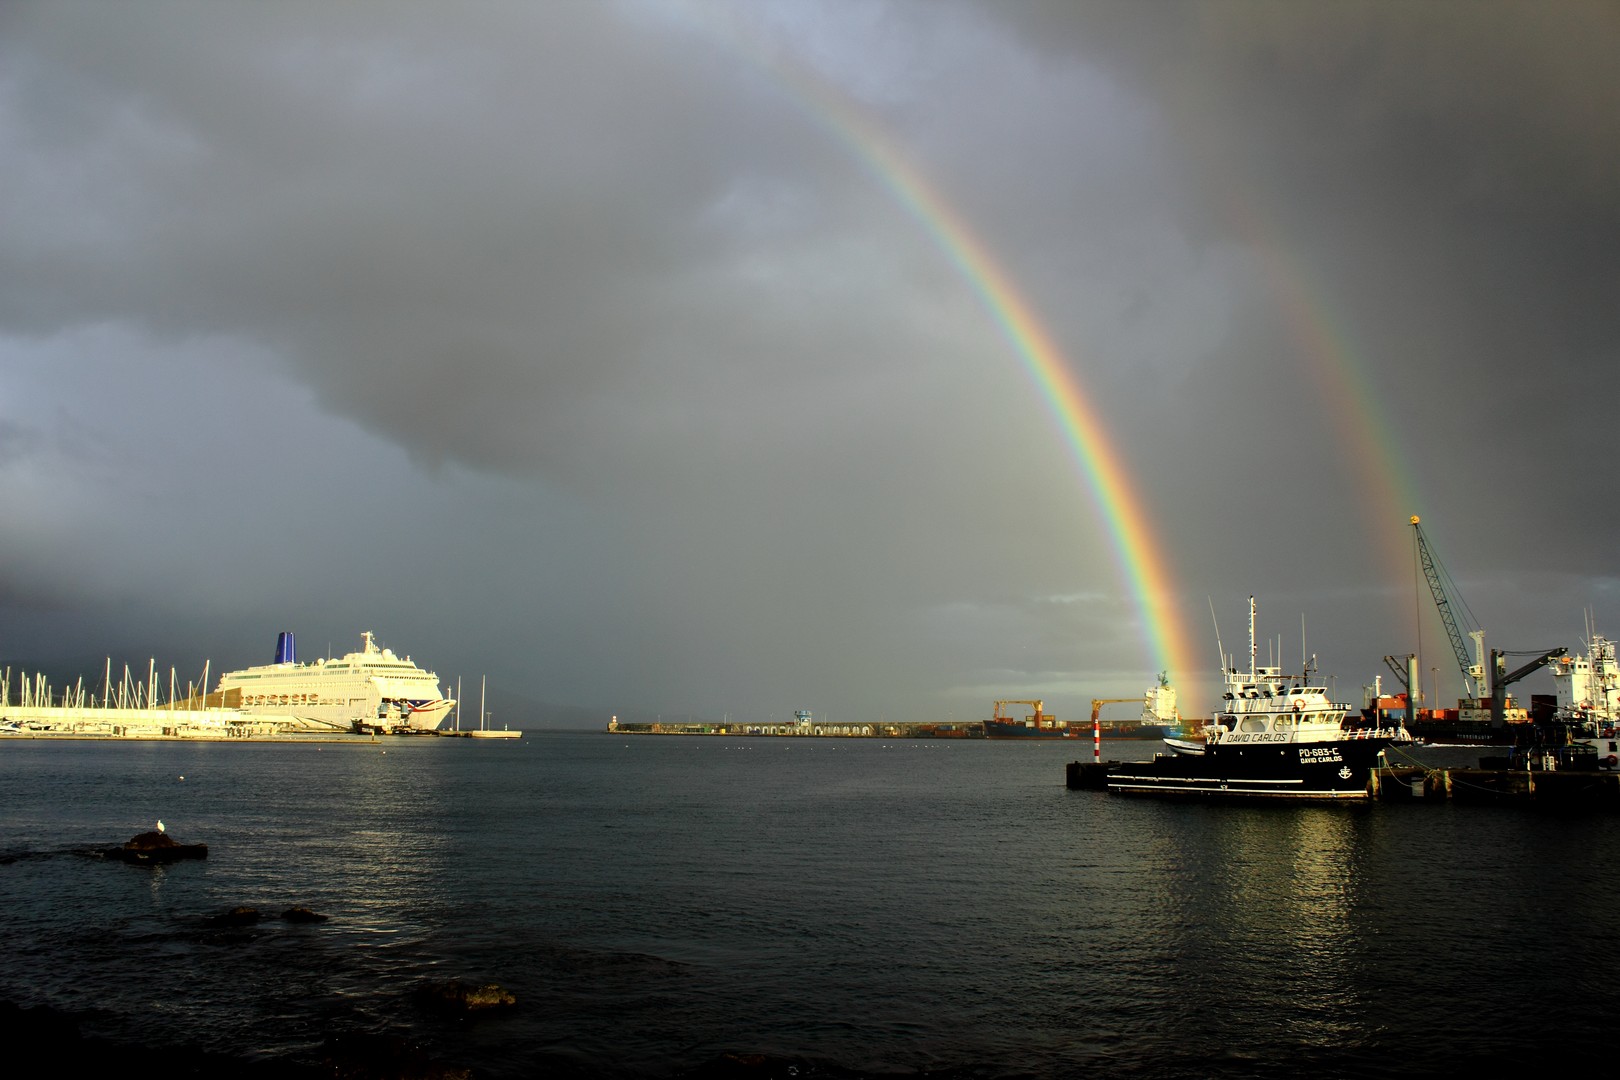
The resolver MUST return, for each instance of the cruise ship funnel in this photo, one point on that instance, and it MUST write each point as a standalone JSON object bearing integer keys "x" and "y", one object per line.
{"x": 285, "y": 652}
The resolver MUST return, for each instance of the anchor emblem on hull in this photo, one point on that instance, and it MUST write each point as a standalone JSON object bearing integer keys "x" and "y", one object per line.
{"x": 1344, "y": 772}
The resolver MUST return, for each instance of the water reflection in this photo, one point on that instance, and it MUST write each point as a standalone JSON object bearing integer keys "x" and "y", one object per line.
{"x": 1256, "y": 911}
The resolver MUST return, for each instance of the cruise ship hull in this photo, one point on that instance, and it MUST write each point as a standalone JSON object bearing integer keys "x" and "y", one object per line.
{"x": 359, "y": 715}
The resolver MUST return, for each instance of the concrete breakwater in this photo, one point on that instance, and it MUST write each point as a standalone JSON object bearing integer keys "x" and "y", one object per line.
{"x": 963, "y": 729}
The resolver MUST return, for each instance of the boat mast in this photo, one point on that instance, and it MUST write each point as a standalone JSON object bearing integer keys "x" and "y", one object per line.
{"x": 1251, "y": 639}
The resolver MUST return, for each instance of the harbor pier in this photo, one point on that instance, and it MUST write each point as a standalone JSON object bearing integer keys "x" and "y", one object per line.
{"x": 806, "y": 728}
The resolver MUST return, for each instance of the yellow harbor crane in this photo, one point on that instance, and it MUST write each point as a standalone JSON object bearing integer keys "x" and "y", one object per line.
{"x": 1098, "y": 703}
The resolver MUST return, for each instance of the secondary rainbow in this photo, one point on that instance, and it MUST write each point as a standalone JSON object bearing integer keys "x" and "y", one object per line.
{"x": 1373, "y": 447}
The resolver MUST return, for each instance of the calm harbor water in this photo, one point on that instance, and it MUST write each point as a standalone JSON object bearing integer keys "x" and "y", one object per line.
{"x": 867, "y": 907}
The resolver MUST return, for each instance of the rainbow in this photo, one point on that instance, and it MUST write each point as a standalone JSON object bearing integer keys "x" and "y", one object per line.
{"x": 1326, "y": 342}
{"x": 1137, "y": 550}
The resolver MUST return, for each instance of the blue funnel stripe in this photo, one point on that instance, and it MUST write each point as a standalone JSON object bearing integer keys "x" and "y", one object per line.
{"x": 285, "y": 652}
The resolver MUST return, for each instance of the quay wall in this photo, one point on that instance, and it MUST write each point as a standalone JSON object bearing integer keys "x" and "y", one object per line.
{"x": 97, "y": 722}
{"x": 963, "y": 730}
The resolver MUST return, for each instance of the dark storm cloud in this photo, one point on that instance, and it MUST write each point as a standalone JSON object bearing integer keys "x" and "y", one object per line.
{"x": 1444, "y": 173}
{"x": 579, "y": 318}
{"x": 416, "y": 214}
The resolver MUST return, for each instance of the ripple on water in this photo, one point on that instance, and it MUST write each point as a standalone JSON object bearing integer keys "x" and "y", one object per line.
{"x": 862, "y": 906}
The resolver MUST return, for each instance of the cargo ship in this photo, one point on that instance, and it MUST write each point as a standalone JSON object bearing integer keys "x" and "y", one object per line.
{"x": 1159, "y": 719}
{"x": 1588, "y": 701}
{"x": 1037, "y": 725}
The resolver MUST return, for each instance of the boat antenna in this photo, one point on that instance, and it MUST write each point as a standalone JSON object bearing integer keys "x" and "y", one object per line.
{"x": 1217, "y": 623}
{"x": 1251, "y": 639}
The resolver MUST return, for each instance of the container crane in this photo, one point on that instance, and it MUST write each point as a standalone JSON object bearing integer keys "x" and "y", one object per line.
{"x": 1501, "y": 679}
{"x": 1473, "y": 673}
{"x": 1098, "y": 703}
{"x": 1041, "y": 719}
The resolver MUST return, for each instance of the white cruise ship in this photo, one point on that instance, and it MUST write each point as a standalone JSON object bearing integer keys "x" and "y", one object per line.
{"x": 369, "y": 690}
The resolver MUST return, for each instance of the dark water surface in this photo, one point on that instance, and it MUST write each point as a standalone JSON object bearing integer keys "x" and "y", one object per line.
{"x": 869, "y": 907}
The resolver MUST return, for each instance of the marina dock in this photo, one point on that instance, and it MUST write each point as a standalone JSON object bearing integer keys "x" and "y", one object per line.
{"x": 366, "y": 694}
{"x": 135, "y": 725}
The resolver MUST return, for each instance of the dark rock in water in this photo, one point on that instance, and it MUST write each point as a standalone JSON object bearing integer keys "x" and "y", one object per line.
{"x": 455, "y": 996}
{"x": 361, "y": 1056}
{"x": 39, "y": 1026}
{"x": 302, "y": 915}
{"x": 53, "y": 1041}
{"x": 237, "y": 916}
{"x": 156, "y": 847}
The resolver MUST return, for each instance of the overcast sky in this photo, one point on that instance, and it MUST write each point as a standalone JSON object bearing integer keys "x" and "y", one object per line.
{"x": 582, "y": 344}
